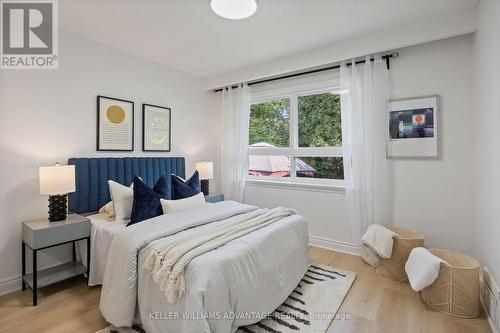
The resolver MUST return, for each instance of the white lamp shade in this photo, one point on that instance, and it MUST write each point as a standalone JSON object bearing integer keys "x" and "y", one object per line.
{"x": 205, "y": 169}
{"x": 58, "y": 179}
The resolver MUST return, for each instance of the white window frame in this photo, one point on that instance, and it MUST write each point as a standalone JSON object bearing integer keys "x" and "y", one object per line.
{"x": 293, "y": 93}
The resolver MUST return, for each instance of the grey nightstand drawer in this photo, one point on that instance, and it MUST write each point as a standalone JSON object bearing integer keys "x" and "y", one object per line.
{"x": 41, "y": 233}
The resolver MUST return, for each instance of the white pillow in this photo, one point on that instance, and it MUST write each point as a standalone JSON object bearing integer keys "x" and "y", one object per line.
{"x": 108, "y": 209}
{"x": 172, "y": 206}
{"x": 122, "y": 198}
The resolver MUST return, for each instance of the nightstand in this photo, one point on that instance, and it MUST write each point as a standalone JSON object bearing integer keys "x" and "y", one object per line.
{"x": 42, "y": 234}
{"x": 214, "y": 198}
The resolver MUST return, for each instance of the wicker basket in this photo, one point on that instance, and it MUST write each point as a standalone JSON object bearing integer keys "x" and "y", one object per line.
{"x": 394, "y": 268}
{"x": 456, "y": 290}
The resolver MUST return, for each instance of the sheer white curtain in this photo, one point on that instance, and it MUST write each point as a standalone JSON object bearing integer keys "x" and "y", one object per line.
{"x": 234, "y": 150}
{"x": 364, "y": 134}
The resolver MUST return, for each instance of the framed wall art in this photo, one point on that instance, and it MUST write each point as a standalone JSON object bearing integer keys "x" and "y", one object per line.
{"x": 413, "y": 127}
{"x": 115, "y": 124}
{"x": 156, "y": 128}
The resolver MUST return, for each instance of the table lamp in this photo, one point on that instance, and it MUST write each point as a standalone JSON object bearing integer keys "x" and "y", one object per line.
{"x": 57, "y": 181}
{"x": 206, "y": 172}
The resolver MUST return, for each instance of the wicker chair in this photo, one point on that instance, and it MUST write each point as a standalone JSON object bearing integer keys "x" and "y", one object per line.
{"x": 456, "y": 290}
{"x": 394, "y": 268}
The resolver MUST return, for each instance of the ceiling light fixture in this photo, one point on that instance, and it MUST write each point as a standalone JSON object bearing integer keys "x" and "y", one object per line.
{"x": 234, "y": 9}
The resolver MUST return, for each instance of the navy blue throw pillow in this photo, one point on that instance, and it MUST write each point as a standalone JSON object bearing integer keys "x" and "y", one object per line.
{"x": 185, "y": 189}
{"x": 147, "y": 200}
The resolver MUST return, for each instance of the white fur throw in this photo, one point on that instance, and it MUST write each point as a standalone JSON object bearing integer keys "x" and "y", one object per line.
{"x": 168, "y": 262}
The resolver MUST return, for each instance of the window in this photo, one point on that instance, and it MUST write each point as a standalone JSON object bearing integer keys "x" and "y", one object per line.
{"x": 296, "y": 136}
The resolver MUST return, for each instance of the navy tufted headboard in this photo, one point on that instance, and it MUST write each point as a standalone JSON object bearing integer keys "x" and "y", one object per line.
{"x": 92, "y": 175}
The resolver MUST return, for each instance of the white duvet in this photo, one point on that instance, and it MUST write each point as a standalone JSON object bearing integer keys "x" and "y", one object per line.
{"x": 225, "y": 288}
{"x": 102, "y": 232}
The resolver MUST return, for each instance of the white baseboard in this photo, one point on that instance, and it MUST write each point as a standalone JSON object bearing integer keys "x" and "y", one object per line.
{"x": 10, "y": 285}
{"x": 14, "y": 283}
{"x": 333, "y": 245}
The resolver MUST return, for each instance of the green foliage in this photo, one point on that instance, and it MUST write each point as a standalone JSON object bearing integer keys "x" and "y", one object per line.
{"x": 270, "y": 122}
{"x": 319, "y": 126}
{"x": 319, "y": 121}
{"x": 326, "y": 167}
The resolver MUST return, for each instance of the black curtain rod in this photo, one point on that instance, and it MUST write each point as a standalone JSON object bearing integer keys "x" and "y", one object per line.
{"x": 386, "y": 57}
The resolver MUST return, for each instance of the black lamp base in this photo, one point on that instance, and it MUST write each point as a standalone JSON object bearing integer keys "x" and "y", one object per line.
{"x": 204, "y": 186}
{"x": 57, "y": 207}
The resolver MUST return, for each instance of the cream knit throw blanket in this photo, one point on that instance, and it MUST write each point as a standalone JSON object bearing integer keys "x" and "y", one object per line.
{"x": 167, "y": 262}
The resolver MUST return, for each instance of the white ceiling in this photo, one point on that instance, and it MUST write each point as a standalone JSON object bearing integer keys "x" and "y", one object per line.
{"x": 186, "y": 35}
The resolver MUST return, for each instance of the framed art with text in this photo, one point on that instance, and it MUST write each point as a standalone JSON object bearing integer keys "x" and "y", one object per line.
{"x": 413, "y": 127}
{"x": 156, "y": 128}
{"x": 115, "y": 124}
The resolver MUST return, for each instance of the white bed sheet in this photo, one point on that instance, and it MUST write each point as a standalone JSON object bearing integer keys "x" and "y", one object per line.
{"x": 102, "y": 230}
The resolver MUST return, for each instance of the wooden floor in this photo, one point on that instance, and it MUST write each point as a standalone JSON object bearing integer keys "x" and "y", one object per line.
{"x": 373, "y": 304}
{"x": 377, "y": 305}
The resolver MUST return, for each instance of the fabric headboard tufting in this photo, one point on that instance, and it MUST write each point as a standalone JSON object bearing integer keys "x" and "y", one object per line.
{"x": 92, "y": 175}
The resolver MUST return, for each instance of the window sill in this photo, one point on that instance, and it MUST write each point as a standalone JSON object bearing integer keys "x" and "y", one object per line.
{"x": 296, "y": 185}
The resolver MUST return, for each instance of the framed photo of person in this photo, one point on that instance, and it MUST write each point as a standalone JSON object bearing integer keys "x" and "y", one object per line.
{"x": 413, "y": 127}
{"x": 115, "y": 124}
{"x": 156, "y": 128}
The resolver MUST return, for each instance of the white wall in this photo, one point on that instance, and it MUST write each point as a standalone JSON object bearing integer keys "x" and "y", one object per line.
{"x": 487, "y": 115}
{"x": 435, "y": 197}
{"x": 49, "y": 116}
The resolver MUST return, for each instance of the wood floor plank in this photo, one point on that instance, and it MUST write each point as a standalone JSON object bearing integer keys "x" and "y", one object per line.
{"x": 373, "y": 305}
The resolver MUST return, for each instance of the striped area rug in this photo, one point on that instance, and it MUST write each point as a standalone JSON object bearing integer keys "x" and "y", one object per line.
{"x": 309, "y": 309}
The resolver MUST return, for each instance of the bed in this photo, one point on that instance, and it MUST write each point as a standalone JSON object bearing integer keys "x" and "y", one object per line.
{"x": 228, "y": 287}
